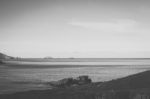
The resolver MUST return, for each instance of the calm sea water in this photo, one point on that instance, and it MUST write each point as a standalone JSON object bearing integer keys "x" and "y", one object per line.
{"x": 22, "y": 79}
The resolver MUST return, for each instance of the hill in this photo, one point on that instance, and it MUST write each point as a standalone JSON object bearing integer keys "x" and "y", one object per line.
{"x": 4, "y": 56}
{"x": 136, "y": 81}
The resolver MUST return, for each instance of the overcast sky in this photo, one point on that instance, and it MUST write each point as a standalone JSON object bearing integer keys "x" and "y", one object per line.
{"x": 75, "y": 28}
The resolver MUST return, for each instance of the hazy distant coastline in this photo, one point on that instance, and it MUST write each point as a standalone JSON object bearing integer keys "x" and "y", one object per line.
{"x": 5, "y": 57}
{"x": 75, "y": 59}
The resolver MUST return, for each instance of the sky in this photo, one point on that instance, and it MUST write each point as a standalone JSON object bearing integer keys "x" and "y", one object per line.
{"x": 75, "y": 28}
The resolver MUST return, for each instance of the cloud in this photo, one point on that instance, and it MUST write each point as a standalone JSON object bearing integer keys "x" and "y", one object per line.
{"x": 123, "y": 25}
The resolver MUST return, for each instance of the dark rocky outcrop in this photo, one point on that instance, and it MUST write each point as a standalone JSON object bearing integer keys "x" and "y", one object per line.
{"x": 67, "y": 82}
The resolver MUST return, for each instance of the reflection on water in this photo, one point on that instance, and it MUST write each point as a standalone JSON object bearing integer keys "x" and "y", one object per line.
{"x": 110, "y": 62}
{"x": 16, "y": 79}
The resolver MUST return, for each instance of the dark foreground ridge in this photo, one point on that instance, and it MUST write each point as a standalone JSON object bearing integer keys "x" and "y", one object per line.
{"x": 132, "y": 87}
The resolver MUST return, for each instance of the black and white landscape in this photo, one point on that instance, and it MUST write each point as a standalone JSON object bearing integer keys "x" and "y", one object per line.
{"x": 74, "y": 49}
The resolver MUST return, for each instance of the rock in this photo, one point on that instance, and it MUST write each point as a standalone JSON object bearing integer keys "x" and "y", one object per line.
{"x": 67, "y": 82}
{"x": 83, "y": 80}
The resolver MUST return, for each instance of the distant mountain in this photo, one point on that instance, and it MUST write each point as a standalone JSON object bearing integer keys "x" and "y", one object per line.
{"x": 48, "y": 57}
{"x": 4, "y": 56}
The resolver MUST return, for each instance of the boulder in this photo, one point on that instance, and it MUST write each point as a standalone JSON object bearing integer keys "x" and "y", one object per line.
{"x": 67, "y": 82}
{"x": 83, "y": 80}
